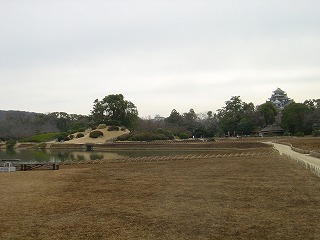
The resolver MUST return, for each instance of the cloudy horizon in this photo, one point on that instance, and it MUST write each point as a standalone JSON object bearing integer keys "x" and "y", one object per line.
{"x": 161, "y": 55}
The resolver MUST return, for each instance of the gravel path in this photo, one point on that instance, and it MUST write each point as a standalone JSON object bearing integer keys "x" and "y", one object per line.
{"x": 287, "y": 150}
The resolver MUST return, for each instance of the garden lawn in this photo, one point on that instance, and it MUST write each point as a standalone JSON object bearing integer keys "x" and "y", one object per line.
{"x": 266, "y": 197}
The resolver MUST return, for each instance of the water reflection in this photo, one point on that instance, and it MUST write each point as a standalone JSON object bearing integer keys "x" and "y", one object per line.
{"x": 56, "y": 156}
{"x": 28, "y": 155}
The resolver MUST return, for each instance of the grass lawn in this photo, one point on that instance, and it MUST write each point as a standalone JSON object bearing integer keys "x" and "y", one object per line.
{"x": 265, "y": 197}
{"x": 306, "y": 143}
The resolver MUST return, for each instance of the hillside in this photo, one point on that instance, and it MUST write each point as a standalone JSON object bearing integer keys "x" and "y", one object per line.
{"x": 19, "y": 124}
{"x": 107, "y": 136}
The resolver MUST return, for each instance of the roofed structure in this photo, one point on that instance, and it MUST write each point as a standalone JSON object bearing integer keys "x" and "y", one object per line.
{"x": 275, "y": 129}
{"x": 280, "y": 99}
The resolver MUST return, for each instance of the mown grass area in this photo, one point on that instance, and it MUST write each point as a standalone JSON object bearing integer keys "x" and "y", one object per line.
{"x": 41, "y": 137}
{"x": 266, "y": 197}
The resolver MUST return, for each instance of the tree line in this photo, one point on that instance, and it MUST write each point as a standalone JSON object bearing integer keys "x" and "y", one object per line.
{"x": 234, "y": 118}
{"x": 238, "y": 118}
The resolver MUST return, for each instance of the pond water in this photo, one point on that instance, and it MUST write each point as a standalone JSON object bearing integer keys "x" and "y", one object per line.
{"x": 28, "y": 156}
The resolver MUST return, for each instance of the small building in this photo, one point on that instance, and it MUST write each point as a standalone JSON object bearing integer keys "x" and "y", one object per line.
{"x": 272, "y": 129}
{"x": 158, "y": 118}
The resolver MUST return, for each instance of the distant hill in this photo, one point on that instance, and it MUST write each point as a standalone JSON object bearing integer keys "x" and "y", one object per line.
{"x": 19, "y": 124}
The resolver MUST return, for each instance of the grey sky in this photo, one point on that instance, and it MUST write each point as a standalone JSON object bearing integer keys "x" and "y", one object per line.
{"x": 62, "y": 55}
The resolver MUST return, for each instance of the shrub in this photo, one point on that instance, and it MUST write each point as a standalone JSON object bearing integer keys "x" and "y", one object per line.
{"x": 169, "y": 134}
{"x": 113, "y": 128}
{"x": 71, "y": 136}
{"x": 79, "y": 135}
{"x": 142, "y": 136}
{"x": 124, "y": 137}
{"x": 286, "y": 134}
{"x": 41, "y": 145}
{"x": 95, "y": 134}
{"x": 63, "y": 137}
{"x": 81, "y": 129}
{"x": 102, "y": 126}
{"x": 183, "y": 135}
{"x": 123, "y": 129}
{"x": 299, "y": 134}
{"x": 160, "y": 131}
{"x": 211, "y": 140}
{"x": 316, "y": 133}
{"x": 160, "y": 137}
{"x": 10, "y": 143}
{"x": 41, "y": 137}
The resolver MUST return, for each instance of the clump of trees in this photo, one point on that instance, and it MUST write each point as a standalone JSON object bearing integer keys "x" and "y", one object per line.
{"x": 114, "y": 110}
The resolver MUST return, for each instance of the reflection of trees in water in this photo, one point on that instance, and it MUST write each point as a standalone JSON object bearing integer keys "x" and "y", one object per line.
{"x": 64, "y": 156}
{"x": 80, "y": 157}
{"x": 95, "y": 156}
{"x": 28, "y": 155}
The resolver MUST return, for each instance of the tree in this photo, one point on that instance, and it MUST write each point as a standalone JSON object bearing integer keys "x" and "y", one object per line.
{"x": 268, "y": 113}
{"x": 114, "y": 109}
{"x": 245, "y": 126}
{"x": 312, "y": 103}
{"x": 230, "y": 115}
{"x": 174, "y": 118}
{"x": 294, "y": 118}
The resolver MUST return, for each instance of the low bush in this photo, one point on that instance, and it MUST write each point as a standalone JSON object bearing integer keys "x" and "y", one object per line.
{"x": 63, "y": 137}
{"x": 142, "y": 136}
{"x": 45, "y": 137}
{"x": 316, "y": 133}
{"x": 79, "y": 135}
{"x": 41, "y": 145}
{"x": 10, "y": 143}
{"x": 124, "y": 137}
{"x": 96, "y": 134}
{"x": 102, "y": 126}
{"x": 113, "y": 128}
{"x": 183, "y": 135}
{"x": 81, "y": 129}
{"x": 211, "y": 140}
{"x": 299, "y": 134}
{"x": 71, "y": 136}
{"x": 123, "y": 129}
{"x": 169, "y": 134}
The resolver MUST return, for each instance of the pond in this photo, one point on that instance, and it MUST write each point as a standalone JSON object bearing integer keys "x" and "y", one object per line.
{"x": 29, "y": 156}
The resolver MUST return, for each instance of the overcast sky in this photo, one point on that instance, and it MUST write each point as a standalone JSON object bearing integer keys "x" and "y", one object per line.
{"x": 62, "y": 55}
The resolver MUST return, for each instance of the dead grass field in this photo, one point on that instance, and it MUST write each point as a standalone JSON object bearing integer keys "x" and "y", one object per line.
{"x": 306, "y": 143}
{"x": 266, "y": 197}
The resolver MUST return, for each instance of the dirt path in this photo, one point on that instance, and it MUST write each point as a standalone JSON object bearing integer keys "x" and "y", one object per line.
{"x": 287, "y": 150}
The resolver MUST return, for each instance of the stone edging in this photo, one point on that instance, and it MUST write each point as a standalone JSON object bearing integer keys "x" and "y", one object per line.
{"x": 315, "y": 154}
{"x": 299, "y": 150}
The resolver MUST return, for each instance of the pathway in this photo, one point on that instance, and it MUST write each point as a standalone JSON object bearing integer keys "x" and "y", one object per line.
{"x": 305, "y": 157}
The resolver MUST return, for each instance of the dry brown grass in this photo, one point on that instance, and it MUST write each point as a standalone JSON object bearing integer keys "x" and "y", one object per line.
{"x": 306, "y": 143}
{"x": 226, "y": 198}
